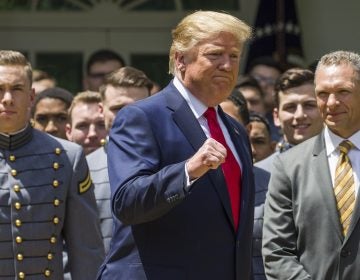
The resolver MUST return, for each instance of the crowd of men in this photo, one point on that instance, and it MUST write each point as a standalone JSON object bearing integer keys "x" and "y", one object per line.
{"x": 216, "y": 176}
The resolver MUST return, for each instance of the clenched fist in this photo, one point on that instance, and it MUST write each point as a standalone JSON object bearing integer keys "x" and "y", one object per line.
{"x": 210, "y": 155}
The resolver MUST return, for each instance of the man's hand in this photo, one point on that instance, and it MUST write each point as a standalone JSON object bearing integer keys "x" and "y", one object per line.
{"x": 210, "y": 155}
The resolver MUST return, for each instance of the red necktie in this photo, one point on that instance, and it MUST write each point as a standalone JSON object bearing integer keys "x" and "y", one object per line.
{"x": 230, "y": 167}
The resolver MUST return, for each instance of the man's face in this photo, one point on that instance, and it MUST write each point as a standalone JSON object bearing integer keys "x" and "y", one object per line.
{"x": 298, "y": 115}
{"x": 266, "y": 77}
{"x": 51, "y": 116}
{"x": 16, "y": 97}
{"x": 210, "y": 69}
{"x": 87, "y": 126}
{"x": 118, "y": 97}
{"x": 260, "y": 139}
{"x": 338, "y": 97}
{"x": 254, "y": 100}
{"x": 43, "y": 84}
{"x": 230, "y": 108}
{"x": 97, "y": 73}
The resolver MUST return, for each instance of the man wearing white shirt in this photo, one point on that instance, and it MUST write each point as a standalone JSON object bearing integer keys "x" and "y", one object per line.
{"x": 311, "y": 223}
{"x": 179, "y": 213}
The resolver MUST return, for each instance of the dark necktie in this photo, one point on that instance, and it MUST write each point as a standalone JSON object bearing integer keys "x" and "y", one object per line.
{"x": 344, "y": 186}
{"x": 230, "y": 167}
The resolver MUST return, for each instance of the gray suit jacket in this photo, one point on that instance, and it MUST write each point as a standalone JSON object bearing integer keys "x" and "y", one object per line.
{"x": 302, "y": 234}
{"x": 98, "y": 166}
{"x": 261, "y": 177}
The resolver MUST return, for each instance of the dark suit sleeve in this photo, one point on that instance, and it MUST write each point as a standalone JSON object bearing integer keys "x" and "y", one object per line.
{"x": 145, "y": 184}
{"x": 279, "y": 232}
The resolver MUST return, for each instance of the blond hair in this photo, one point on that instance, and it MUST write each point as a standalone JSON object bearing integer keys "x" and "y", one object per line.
{"x": 202, "y": 25}
{"x": 88, "y": 97}
{"x": 14, "y": 58}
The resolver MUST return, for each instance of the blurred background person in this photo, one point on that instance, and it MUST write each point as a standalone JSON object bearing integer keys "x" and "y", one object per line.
{"x": 100, "y": 64}
{"x": 42, "y": 80}
{"x": 50, "y": 111}
{"x": 233, "y": 106}
{"x": 122, "y": 87}
{"x": 266, "y": 70}
{"x": 86, "y": 125}
{"x": 251, "y": 90}
{"x": 296, "y": 111}
{"x": 262, "y": 145}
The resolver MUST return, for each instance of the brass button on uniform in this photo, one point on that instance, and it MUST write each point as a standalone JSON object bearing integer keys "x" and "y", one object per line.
{"x": 17, "y": 222}
{"x": 13, "y": 172}
{"x": 18, "y": 239}
{"x": 55, "y": 183}
{"x": 19, "y": 257}
{"x": 17, "y": 205}
{"x": 12, "y": 158}
{"x": 53, "y": 240}
{"x": 21, "y": 275}
{"x": 56, "y": 165}
{"x": 56, "y": 220}
{"x": 50, "y": 256}
{"x": 47, "y": 273}
{"x": 58, "y": 151}
{"x": 16, "y": 188}
{"x": 56, "y": 202}
{"x": 102, "y": 142}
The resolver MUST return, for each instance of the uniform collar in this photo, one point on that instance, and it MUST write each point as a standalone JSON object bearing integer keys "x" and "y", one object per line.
{"x": 16, "y": 140}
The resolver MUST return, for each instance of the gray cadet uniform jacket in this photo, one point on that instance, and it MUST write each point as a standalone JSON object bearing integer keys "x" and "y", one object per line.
{"x": 97, "y": 162}
{"x": 46, "y": 197}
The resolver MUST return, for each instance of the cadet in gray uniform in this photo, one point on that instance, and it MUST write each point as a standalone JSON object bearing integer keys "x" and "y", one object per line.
{"x": 122, "y": 87}
{"x": 46, "y": 193}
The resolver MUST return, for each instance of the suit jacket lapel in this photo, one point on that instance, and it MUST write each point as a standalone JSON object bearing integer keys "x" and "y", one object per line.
{"x": 237, "y": 137}
{"x": 321, "y": 171}
{"x": 189, "y": 125}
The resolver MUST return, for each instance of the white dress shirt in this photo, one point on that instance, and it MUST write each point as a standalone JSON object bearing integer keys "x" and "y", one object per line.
{"x": 198, "y": 109}
{"x": 332, "y": 142}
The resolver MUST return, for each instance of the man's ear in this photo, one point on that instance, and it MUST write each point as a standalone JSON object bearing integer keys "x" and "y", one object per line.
{"x": 101, "y": 107}
{"x": 68, "y": 131}
{"x": 180, "y": 61}
{"x": 248, "y": 128}
{"x": 276, "y": 117}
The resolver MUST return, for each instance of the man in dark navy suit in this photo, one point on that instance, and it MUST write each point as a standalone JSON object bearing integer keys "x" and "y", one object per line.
{"x": 180, "y": 169}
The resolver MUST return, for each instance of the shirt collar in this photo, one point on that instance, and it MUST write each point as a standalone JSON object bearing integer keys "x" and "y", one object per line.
{"x": 332, "y": 140}
{"x": 197, "y": 107}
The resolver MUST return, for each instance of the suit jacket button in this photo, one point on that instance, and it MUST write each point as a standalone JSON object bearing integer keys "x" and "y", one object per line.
{"x": 345, "y": 253}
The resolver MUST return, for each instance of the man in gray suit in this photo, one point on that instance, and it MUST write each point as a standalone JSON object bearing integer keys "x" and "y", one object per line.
{"x": 309, "y": 232}
{"x": 122, "y": 87}
{"x": 46, "y": 194}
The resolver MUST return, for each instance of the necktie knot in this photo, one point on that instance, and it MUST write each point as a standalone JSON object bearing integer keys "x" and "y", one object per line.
{"x": 210, "y": 113}
{"x": 346, "y": 146}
